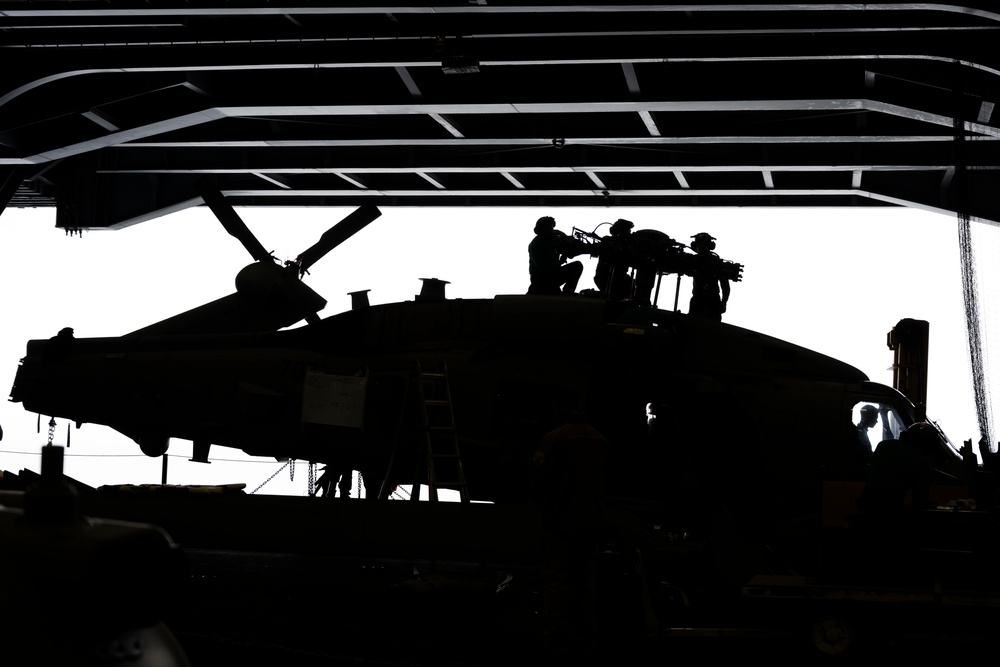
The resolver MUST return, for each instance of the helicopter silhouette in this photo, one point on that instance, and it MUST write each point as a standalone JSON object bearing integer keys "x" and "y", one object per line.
{"x": 697, "y": 412}
{"x": 269, "y": 295}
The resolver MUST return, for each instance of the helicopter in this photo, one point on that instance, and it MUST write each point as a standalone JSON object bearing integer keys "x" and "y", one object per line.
{"x": 692, "y": 408}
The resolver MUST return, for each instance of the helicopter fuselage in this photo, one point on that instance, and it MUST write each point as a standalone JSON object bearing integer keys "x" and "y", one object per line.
{"x": 668, "y": 390}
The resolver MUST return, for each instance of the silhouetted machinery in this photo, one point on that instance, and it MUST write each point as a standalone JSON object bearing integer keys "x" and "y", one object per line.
{"x": 83, "y": 591}
{"x": 651, "y": 254}
{"x": 743, "y": 444}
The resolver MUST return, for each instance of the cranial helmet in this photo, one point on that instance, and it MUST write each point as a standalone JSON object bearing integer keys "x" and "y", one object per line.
{"x": 621, "y": 225}
{"x": 869, "y": 415}
{"x": 545, "y": 223}
{"x": 704, "y": 237}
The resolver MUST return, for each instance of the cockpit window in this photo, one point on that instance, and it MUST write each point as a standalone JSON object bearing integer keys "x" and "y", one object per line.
{"x": 876, "y": 422}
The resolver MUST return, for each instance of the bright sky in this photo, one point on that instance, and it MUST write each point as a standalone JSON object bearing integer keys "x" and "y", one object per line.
{"x": 834, "y": 280}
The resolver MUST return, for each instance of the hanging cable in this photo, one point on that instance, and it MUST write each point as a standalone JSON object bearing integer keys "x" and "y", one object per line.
{"x": 973, "y": 328}
{"x": 270, "y": 478}
{"x": 970, "y": 291}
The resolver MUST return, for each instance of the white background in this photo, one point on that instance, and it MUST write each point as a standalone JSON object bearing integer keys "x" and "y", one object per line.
{"x": 834, "y": 280}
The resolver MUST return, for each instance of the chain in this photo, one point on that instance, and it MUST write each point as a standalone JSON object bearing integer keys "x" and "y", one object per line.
{"x": 312, "y": 479}
{"x": 270, "y": 478}
{"x": 52, "y": 430}
{"x": 291, "y": 469}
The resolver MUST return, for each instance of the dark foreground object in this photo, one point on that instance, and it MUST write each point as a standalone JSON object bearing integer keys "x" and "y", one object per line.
{"x": 303, "y": 581}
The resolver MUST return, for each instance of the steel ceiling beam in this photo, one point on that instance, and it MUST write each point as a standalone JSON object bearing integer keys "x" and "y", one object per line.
{"x": 125, "y": 136}
{"x": 647, "y": 103}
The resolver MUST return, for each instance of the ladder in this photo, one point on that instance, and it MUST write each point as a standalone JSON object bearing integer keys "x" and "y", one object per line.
{"x": 440, "y": 447}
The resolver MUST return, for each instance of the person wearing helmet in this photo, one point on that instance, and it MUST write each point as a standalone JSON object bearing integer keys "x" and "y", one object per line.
{"x": 612, "y": 276}
{"x": 547, "y": 255}
{"x": 711, "y": 290}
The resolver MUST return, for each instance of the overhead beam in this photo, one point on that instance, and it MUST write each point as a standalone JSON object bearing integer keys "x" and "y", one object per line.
{"x": 580, "y": 141}
{"x": 402, "y": 65}
{"x": 448, "y": 124}
{"x": 550, "y": 192}
{"x": 647, "y": 120}
{"x": 596, "y": 180}
{"x": 430, "y": 179}
{"x": 353, "y": 181}
{"x": 587, "y": 169}
{"x": 281, "y": 183}
{"x": 513, "y": 180}
{"x": 284, "y": 9}
{"x": 410, "y": 84}
{"x": 890, "y": 101}
{"x": 985, "y": 112}
{"x": 631, "y": 80}
{"x": 100, "y": 119}
{"x": 442, "y": 111}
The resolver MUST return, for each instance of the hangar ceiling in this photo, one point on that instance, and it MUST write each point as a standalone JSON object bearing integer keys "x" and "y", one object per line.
{"x": 120, "y": 112}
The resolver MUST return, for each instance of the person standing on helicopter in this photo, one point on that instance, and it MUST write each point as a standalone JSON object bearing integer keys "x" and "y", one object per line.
{"x": 547, "y": 255}
{"x": 711, "y": 290}
{"x": 612, "y": 276}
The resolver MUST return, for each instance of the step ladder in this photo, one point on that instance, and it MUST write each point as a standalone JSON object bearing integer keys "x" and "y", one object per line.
{"x": 440, "y": 438}
{"x": 427, "y": 402}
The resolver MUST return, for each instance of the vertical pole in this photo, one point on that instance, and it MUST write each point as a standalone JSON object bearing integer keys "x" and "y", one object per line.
{"x": 163, "y": 474}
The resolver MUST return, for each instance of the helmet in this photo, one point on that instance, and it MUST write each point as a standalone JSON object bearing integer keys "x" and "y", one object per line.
{"x": 704, "y": 237}
{"x": 621, "y": 226}
{"x": 545, "y": 223}
{"x": 869, "y": 415}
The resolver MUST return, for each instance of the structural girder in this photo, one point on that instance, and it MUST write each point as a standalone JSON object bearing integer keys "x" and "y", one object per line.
{"x": 116, "y": 111}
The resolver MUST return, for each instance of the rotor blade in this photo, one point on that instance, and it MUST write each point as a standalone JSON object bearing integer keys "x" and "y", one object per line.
{"x": 232, "y": 222}
{"x": 339, "y": 233}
